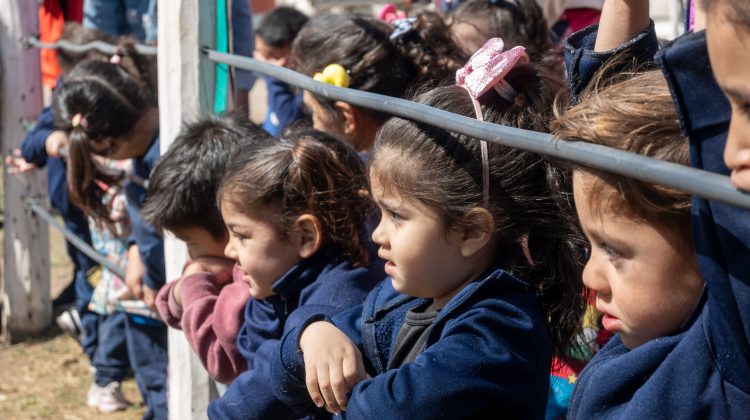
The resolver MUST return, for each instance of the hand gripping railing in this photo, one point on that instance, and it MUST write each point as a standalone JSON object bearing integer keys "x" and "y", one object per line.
{"x": 698, "y": 182}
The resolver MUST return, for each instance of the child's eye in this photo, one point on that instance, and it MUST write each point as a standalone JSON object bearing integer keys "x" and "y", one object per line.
{"x": 586, "y": 252}
{"x": 612, "y": 253}
{"x": 396, "y": 217}
{"x": 239, "y": 236}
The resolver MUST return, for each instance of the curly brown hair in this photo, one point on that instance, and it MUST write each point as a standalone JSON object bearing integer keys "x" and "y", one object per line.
{"x": 307, "y": 172}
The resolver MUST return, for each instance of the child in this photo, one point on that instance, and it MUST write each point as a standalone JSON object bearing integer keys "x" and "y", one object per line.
{"x": 273, "y": 44}
{"x": 42, "y": 147}
{"x": 370, "y": 55}
{"x": 483, "y": 288}
{"x": 708, "y": 359}
{"x": 109, "y": 109}
{"x": 642, "y": 262}
{"x": 520, "y": 22}
{"x": 727, "y": 32}
{"x": 207, "y": 303}
{"x": 295, "y": 210}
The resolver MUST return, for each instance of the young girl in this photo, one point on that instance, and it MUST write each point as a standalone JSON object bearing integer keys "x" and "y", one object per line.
{"x": 295, "y": 209}
{"x": 713, "y": 344}
{"x": 484, "y": 276}
{"x": 370, "y": 55}
{"x": 109, "y": 109}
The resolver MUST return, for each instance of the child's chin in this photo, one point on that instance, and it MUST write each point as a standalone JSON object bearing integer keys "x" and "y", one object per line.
{"x": 741, "y": 178}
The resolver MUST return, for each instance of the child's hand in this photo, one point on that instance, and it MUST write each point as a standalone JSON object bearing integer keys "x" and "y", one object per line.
{"x": 17, "y": 164}
{"x": 333, "y": 365}
{"x": 56, "y": 141}
{"x": 221, "y": 268}
{"x": 281, "y": 62}
{"x": 134, "y": 272}
{"x": 149, "y": 297}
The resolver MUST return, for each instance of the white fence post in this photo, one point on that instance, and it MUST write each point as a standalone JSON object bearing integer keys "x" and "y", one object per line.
{"x": 26, "y": 287}
{"x": 184, "y": 92}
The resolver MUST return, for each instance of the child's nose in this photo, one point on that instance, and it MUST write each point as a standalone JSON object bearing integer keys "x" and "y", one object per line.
{"x": 378, "y": 235}
{"x": 595, "y": 278}
{"x": 229, "y": 250}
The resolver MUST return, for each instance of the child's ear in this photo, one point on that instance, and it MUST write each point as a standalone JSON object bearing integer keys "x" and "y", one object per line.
{"x": 481, "y": 225}
{"x": 357, "y": 125}
{"x": 308, "y": 235}
{"x": 350, "y": 120}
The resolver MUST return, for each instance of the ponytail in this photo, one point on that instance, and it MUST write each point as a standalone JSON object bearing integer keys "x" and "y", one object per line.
{"x": 97, "y": 105}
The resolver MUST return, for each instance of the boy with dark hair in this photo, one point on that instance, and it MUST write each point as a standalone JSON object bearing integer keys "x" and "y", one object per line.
{"x": 182, "y": 200}
{"x": 273, "y": 44}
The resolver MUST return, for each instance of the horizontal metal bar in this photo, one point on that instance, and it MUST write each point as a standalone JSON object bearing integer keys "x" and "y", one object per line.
{"x": 701, "y": 183}
{"x": 100, "y": 46}
{"x": 135, "y": 179}
{"x": 75, "y": 240}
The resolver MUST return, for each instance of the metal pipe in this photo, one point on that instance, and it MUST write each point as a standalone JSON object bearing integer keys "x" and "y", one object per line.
{"x": 100, "y": 46}
{"x": 698, "y": 182}
{"x": 75, "y": 240}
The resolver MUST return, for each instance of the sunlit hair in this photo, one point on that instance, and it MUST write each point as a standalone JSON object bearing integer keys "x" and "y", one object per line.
{"x": 375, "y": 63}
{"x": 635, "y": 114}
{"x": 307, "y": 172}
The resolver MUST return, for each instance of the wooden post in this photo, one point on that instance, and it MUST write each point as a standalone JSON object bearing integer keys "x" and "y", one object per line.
{"x": 25, "y": 296}
{"x": 185, "y": 91}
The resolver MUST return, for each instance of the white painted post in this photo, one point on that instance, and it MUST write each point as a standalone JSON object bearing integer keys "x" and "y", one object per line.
{"x": 183, "y": 93}
{"x": 25, "y": 295}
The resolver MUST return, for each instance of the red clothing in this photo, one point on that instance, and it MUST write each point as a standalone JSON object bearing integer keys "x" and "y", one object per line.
{"x": 51, "y": 21}
{"x": 211, "y": 316}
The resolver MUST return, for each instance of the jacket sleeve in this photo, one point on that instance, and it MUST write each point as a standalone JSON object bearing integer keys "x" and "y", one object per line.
{"x": 288, "y": 364}
{"x": 169, "y": 310}
{"x": 582, "y": 62}
{"x": 211, "y": 320}
{"x": 33, "y": 147}
{"x": 283, "y": 102}
{"x": 150, "y": 246}
{"x": 485, "y": 352}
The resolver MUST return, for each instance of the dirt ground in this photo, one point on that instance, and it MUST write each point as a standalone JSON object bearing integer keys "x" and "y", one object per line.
{"x": 47, "y": 377}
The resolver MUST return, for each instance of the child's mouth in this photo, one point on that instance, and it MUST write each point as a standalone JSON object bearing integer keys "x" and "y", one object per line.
{"x": 610, "y": 323}
{"x": 390, "y": 268}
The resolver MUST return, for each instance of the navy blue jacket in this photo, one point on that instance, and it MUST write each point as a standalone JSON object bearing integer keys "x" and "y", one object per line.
{"x": 34, "y": 150}
{"x": 488, "y": 354}
{"x": 704, "y": 370}
{"x": 284, "y": 106}
{"x": 148, "y": 239}
{"x": 317, "y": 285}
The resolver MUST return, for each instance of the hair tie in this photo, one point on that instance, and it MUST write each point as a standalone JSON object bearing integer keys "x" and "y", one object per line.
{"x": 79, "y": 119}
{"x": 333, "y": 74}
{"x": 388, "y": 13}
{"x": 115, "y": 59}
{"x": 401, "y": 27}
{"x": 486, "y": 70}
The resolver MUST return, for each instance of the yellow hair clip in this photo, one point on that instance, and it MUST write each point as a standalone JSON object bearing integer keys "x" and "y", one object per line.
{"x": 333, "y": 74}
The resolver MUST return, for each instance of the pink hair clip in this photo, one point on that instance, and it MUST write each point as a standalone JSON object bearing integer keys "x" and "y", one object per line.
{"x": 486, "y": 70}
{"x": 79, "y": 119}
{"x": 115, "y": 59}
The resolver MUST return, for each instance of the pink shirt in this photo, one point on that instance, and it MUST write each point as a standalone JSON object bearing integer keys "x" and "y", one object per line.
{"x": 211, "y": 316}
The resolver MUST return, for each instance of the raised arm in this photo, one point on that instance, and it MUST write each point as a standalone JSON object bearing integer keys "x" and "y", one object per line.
{"x": 621, "y": 21}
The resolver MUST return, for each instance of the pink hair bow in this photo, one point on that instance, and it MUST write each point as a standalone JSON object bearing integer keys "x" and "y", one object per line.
{"x": 388, "y": 13}
{"x": 486, "y": 70}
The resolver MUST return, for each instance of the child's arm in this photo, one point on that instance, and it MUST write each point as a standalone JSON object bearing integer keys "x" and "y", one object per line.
{"x": 33, "y": 147}
{"x": 333, "y": 365}
{"x": 621, "y": 21}
{"x": 629, "y": 35}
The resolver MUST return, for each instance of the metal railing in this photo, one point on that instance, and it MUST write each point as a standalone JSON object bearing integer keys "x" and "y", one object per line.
{"x": 101, "y": 46}
{"x": 79, "y": 243}
{"x": 698, "y": 182}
